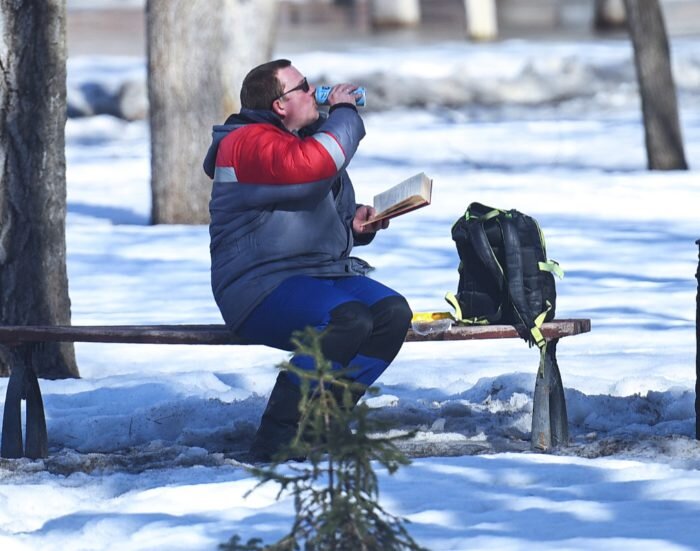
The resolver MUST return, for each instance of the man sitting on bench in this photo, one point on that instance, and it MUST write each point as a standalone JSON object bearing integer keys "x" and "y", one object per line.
{"x": 283, "y": 224}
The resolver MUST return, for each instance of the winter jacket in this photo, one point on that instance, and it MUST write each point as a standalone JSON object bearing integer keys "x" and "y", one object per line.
{"x": 282, "y": 205}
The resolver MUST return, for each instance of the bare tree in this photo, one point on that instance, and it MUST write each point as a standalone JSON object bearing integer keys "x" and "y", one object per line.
{"x": 33, "y": 278}
{"x": 198, "y": 53}
{"x": 662, "y": 129}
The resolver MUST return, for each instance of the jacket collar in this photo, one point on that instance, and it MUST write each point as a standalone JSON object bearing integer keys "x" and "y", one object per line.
{"x": 251, "y": 116}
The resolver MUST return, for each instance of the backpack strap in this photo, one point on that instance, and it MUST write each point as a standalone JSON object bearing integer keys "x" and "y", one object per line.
{"x": 484, "y": 251}
{"x": 551, "y": 266}
{"x": 531, "y": 321}
{"x": 487, "y": 256}
{"x": 452, "y": 300}
{"x": 482, "y": 213}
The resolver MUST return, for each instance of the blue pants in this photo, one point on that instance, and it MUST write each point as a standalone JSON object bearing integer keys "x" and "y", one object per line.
{"x": 364, "y": 322}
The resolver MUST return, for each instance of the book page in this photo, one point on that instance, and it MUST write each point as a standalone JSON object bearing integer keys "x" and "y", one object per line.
{"x": 401, "y": 205}
{"x": 419, "y": 185}
{"x": 411, "y": 194}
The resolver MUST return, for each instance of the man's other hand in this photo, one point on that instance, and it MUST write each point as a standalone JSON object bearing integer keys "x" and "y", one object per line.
{"x": 364, "y": 213}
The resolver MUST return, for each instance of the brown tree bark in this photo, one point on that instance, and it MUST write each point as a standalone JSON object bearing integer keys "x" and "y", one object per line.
{"x": 198, "y": 53}
{"x": 652, "y": 57}
{"x": 33, "y": 277}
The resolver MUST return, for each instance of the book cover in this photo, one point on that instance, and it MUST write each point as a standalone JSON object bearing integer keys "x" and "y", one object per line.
{"x": 411, "y": 194}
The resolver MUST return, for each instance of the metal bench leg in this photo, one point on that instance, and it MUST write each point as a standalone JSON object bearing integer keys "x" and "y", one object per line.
{"x": 550, "y": 427}
{"x": 23, "y": 384}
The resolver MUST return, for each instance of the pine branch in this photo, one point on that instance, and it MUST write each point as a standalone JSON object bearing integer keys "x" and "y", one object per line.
{"x": 336, "y": 490}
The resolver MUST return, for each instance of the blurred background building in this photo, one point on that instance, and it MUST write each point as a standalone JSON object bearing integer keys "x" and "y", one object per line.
{"x": 99, "y": 26}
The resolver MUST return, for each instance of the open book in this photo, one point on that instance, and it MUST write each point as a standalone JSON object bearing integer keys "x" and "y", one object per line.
{"x": 409, "y": 195}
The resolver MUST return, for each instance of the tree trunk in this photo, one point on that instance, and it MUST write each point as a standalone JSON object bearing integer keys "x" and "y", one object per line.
{"x": 662, "y": 130}
{"x": 609, "y": 15}
{"x": 33, "y": 277}
{"x": 199, "y": 51}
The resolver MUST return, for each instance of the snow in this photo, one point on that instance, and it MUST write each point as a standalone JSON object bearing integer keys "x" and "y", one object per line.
{"x": 141, "y": 445}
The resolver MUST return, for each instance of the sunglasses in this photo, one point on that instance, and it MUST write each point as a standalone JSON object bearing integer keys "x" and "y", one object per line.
{"x": 304, "y": 87}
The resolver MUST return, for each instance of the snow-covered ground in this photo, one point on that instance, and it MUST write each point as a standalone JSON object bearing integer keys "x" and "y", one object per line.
{"x": 140, "y": 446}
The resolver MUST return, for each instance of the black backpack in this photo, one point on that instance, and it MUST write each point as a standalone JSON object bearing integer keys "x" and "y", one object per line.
{"x": 504, "y": 274}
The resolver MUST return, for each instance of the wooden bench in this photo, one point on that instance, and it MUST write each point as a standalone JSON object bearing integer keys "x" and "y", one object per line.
{"x": 549, "y": 419}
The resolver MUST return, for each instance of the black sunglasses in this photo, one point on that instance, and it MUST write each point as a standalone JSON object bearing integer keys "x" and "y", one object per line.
{"x": 304, "y": 87}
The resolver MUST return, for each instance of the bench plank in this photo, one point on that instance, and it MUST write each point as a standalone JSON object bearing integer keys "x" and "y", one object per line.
{"x": 219, "y": 334}
{"x": 136, "y": 334}
{"x": 551, "y": 330}
{"x": 549, "y": 422}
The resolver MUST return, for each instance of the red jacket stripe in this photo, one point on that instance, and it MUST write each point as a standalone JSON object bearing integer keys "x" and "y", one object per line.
{"x": 264, "y": 154}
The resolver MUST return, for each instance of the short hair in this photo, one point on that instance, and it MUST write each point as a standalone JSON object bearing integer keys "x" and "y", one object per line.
{"x": 261, "y": 86}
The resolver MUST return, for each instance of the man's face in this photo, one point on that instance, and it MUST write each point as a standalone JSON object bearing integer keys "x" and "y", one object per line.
{"x": 297, "y": 108}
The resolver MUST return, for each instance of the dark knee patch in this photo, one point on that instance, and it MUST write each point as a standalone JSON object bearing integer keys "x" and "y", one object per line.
{"x": 392, "y": 318}
{"x": 353, "y": 317}
{"x": 350, "y": 326}
{"x": 395, "y": 310}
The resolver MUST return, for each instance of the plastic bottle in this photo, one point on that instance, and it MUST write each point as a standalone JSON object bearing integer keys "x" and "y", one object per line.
{"x": 426, "y": 323}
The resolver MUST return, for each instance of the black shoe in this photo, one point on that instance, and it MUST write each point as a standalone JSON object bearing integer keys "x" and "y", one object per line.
{"x": 279, "y": 423}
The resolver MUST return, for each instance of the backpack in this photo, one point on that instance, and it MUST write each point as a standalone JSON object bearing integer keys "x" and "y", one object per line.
{"x": 504, "y": 274}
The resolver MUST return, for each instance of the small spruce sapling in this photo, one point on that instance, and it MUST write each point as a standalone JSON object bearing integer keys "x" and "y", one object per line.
{"x": 336, "y": 489}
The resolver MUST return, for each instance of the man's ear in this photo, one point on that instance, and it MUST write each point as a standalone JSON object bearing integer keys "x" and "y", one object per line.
{"x": 278, "y": 107}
